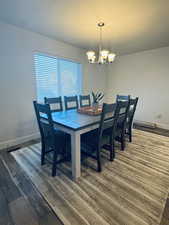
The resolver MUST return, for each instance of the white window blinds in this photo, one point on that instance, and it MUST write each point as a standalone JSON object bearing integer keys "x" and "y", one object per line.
{"x": 56, "y": 77}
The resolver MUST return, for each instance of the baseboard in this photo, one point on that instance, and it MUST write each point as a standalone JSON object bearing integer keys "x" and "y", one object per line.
{"x": 21, "y": 140}
{"x": 18, "y": 141}
{"x": 152, "y": 125}
{"x": 145, "y": 124}
{"x": 163, "y": 126}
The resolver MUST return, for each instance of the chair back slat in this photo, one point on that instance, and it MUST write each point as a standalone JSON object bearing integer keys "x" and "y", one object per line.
{"x": 122, "y": 98}
{"x": 55, "y": 103}
{"x": 85, "y": 100}
{"x": 71, "y": 102}
{"x": 132, "y": 109}
{"x": 123, "y": 114}
{"x": 107, "y": 124}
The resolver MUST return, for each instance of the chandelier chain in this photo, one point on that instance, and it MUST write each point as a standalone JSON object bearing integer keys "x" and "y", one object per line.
{"x": 100, "y": 45}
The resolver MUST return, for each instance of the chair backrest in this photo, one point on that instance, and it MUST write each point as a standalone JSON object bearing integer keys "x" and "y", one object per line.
{"x": 122, "y": 98}
{"x": 108, "y": 119}
{"x": 45, "y": 123}
{"x": 111, "y": 114}
{"x": 123, "y": 115}
{"x": 55, "y": 104}
{"x": 132, "y": 109}
{"x": 85, "y": 100}
{"x": 71, "y": 102}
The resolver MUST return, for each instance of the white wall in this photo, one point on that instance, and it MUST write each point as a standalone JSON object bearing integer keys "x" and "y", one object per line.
{"x": 146, "y": 75}
{"x": 17, "y": 83}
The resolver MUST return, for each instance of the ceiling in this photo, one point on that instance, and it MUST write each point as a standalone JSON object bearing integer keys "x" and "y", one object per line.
{"x": 130, "y": 25}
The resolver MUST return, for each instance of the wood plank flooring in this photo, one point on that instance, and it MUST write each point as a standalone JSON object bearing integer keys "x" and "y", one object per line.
{"x": 20, "y": 202}
{"x": 165, "y": 217}
{"x": 132, "y": 190}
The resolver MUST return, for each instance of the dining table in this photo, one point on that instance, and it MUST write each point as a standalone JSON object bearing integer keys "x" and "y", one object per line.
{"x": 75, "y": 124}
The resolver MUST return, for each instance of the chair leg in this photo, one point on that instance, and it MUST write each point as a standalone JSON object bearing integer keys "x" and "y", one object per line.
{"x": 99, "y": 167}
{"x": 111, "y": 154}
{"x": 112, "y": 150}
{"x": 130, "y": 134}
{"x": 54, "y": 163}
{"x": 123, "y": 144}
{"x": 43, "y": 155}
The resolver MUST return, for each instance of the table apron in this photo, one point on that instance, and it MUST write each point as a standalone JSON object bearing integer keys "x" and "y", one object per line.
{"x": 81, "y": 131}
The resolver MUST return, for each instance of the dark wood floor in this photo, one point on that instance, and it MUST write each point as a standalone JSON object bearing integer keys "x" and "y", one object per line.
{"x": 20, "y": 202}
{"x": 18, "y": 194}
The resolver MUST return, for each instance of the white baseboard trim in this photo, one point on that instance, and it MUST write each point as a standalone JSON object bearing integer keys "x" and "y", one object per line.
{"x": 19, "y": 140}
{"x": 152, "y": 125}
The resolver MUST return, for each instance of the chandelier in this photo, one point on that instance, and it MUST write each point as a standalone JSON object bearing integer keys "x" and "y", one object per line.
{"x": 104, "y": 56}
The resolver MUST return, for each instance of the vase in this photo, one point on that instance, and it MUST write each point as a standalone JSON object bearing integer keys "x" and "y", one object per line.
{"x": 95, "y": 106}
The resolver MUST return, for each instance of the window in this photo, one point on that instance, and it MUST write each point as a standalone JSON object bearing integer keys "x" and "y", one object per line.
{"x": 56, "y": 77}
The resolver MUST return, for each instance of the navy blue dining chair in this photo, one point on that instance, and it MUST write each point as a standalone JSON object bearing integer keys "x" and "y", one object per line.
{"x": 85, "y": 100}
{"x": 55, "y": 103}
{"x": 52, "y": 140}
{"x": 71, "y": 102}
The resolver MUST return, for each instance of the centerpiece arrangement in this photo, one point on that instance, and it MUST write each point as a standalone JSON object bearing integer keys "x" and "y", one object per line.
{"x": 95, "y": 109}
{"x": 97, "y": 97}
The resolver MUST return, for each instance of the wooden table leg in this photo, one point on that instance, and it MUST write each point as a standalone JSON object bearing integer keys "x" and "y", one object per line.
{"x": 75, "y": 152}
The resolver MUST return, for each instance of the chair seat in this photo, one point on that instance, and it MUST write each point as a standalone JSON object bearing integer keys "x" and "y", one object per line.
{"x": 109, "y": 130}
{"x": 117, "y": 134}
{"x": 61, "y": 134}
{"x": 119, "y": 125}
{"x": 62, "y": 141}
{"x": 90, "y": 139}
